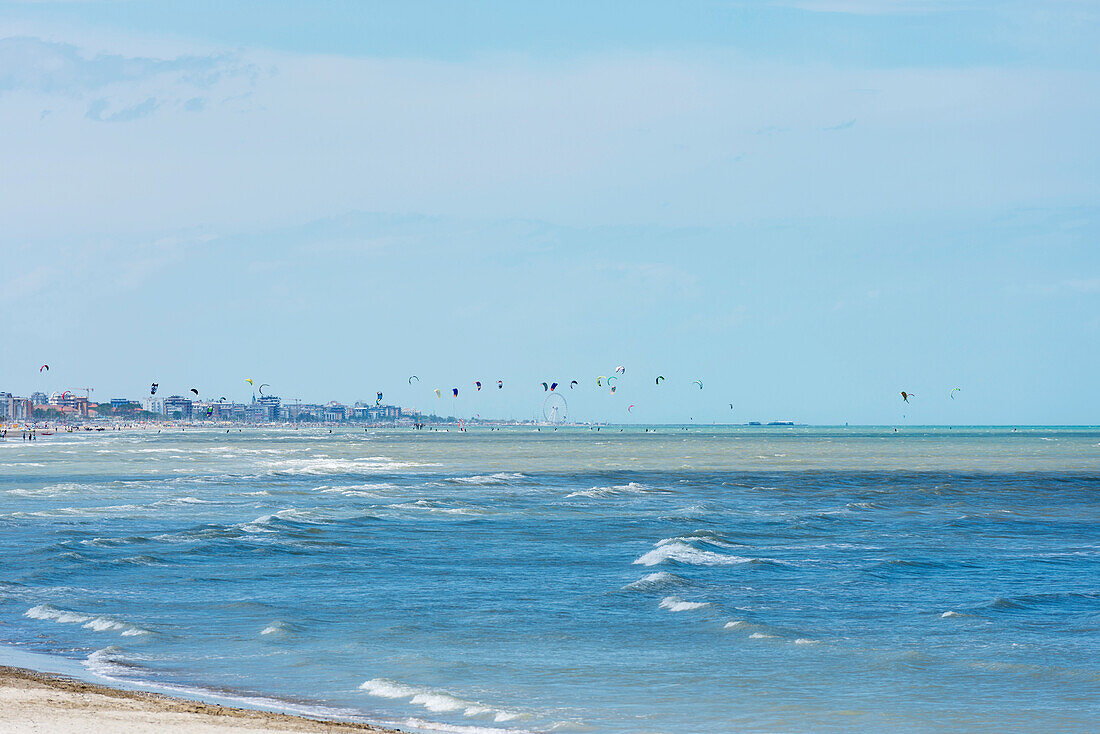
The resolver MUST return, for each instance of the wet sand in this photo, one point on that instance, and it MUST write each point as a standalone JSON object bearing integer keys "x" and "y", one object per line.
{"x": 55, "y": 704}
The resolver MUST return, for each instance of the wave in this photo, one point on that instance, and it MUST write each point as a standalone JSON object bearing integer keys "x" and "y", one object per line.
{"x": 487, "y": 479}
{"x": 1034, "y": 601}
{"x": 616, "y": 490}
{"x": 97, "y": 623}
{"x": 678, "y": 551}
{"x": 323, "y": 465}
{"x": 430, "y": 506}
{"x": 653, "y": 581}
{"x": 676, "y": 604}
{"x": 359, "y": 490}
{"x": 421, "y": 724}
{"x": 435, "y": 700}
{"x": 276, "y": 628}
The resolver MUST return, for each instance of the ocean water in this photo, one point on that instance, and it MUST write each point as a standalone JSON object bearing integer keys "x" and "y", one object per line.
{"x": 683, "y": 580}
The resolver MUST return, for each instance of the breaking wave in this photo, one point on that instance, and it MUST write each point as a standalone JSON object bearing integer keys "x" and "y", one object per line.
{"x": 676, "y": 604}
{"x": 436, "y": 701}
{"x": 96, "y": 623}
{"x": 679, "y": 551}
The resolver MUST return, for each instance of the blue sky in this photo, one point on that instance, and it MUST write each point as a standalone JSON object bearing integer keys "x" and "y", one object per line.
{"x": 809, "y": 205}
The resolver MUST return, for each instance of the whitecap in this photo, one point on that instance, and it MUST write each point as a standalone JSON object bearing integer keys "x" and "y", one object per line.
{"x": 619, "y": 489}
{"x": 949, "y": 614}
{"x": 806, "y": 641}
{"x": 681, "y": 552}
{"x": 423, "y": 725}
{"x": 487, "y": 479}
{"x": 676, "y": 604}
{"x": 658, "y": 580}
{"x": 761, "y": 636}
{"x": 435, "y": 700}
{"x": 97, "y": 623}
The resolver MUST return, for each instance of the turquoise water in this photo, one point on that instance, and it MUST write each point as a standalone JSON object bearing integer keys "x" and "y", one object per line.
{"x": 755, "y": 579}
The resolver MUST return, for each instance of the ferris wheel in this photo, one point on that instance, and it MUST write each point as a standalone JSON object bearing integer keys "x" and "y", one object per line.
{"x": 554, "y": 408}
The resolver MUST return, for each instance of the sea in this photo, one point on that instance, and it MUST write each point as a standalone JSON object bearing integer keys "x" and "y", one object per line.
{"x": 533, "y": 579}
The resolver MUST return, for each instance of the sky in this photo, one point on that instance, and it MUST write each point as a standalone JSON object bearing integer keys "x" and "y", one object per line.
{"x": 808, "y": 205}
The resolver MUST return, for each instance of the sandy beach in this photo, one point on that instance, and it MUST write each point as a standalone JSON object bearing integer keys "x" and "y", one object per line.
{"x": 39, "y": 702}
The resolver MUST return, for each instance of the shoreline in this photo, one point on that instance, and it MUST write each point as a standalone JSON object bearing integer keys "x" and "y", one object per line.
{"x": 46, "y": 692}
{"x": 36, "y": 701}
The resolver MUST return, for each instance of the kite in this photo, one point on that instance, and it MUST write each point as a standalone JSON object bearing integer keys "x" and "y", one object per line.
{"x": 612, "y": 389}
{"x": 414, "y": 377}
{"x": 573, "y": 384}
{"x": 545, "y": 387}
{"x": 906, "y": 395}
{"x": 249, "y": 381}
{"x": 262, "y": 387}
{"x": 45, "y": 367}
{"x": 659, "y": 380}
{"x": 553, "y": 387}
{"x": 621, "y": 370}
{"x": 438, "y": 394}
{"x": 698, "y": 382}
{"x": 600, "y": 379}
{"x": 478, "y": 383}
{"x": 953, "y": 391}
{"x": 153, "y": 388}
{"x": 455, "y": 391}
{"x": 609, "y": 379}
{"x": 630, "y": 409}
{"x": 195, "y": 391}
{"x": 378, "y": 401}
{"x": 500, "y": 384}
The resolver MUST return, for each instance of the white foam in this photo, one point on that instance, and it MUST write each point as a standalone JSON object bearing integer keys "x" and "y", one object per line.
{"x": 736, "y": 624}
{"x": 97, "y": 623}
{"x": 436, "y": 701}
{"x": 806, "y": 641}
{"x": 423, "y": 725}
{"x": 676, "y": 604}
{"x": 275, "y": 628}
{"x": 387, "y": 688}
{"x": 619, "y": 489}
{"x": 486, "y": 479}
{"x": 949, "y": 614}
{"x": 322, "y": 465}
{"x": 761, "y": 636}
{"x": 655, "y": 580}
{"x": 678, "y": 550}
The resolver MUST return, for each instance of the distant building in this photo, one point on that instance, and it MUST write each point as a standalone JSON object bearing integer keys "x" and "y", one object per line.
{"x": 265, "y": 409}
{"x": 14, "y": 408}
{"x": 39, "y": 398}
{"x": 335, "y": 411}
{"x": 153, "y": 405}
{"x": 176, "y": 406}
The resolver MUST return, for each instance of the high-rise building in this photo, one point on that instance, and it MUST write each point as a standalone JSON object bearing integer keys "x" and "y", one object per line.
{"x": 176, "y": 406}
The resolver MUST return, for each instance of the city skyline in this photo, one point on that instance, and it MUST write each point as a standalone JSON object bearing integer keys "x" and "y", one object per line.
{"x": 811, "y": 206}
